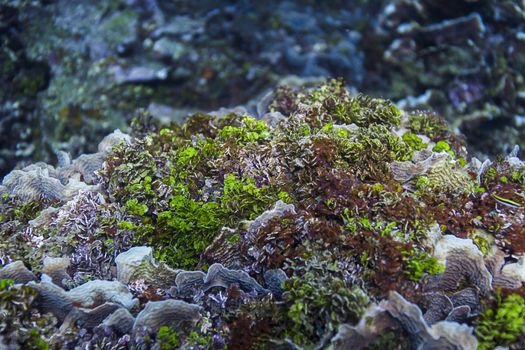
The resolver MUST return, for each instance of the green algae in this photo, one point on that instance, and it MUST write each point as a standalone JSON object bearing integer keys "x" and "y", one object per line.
{"x": 178, "y": 186}
{"x": 167, "y": 338}
{"x": 504, "y": 324}
{"x": 21, "y": 325}
{"x": 419, "y": 264}
{"x": 312, "y": 308}
{"x": 413, "y": 141}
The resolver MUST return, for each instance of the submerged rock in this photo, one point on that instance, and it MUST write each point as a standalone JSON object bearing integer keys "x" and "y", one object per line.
{"x": 461, "y": 58}
{"x": 219, "y": 276}
{"x": 128, "y": 261}
{"x": 121, "y": 320}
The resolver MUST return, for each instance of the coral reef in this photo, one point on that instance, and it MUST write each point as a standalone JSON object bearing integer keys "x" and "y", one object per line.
{"x": 334, "y": 221}
{"x": 463, "y": 59}
{"x": 74, "y": 71}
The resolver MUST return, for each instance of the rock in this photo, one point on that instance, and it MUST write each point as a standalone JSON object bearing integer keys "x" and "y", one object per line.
{"x": 33, "y": 185}
{"x": 38, "y": 181}
{"x": 515, "y": 270}
{"x": 462, "y": 259}
{"x": 453, "y": 31}
{"x": 52, "y": 298}
{"x": 108, "y": 142}
{"x": 239, "y": 110}
{"x": 85, "y": 166}
{"x": 279, "y": 209}
{"x": 179, "y": 25}
{"x": 396, "y": 312}
{"x": 274, "y": 279}
{"x": 459, "y": 314}
{"x": 189, "y": 281}
{"x": 438, "y": 307}
{"x": 138, "y": 263}
{"x": 466, "y": 297}
{"x": 91, "y": 318}
{"x": 138, "y": 74}
{"x": 374, "y": 322}
{"x": 168, "y": 48}
{"x": 406, "y": 171}
{"x": 442, "y": 334}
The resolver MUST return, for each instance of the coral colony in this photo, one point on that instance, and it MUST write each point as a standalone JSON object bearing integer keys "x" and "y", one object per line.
{"x": 337, "y": 221}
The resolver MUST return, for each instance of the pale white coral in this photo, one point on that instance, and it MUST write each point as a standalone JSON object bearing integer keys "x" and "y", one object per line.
{"x": 43, "y": 181}
{"x": 376, "y": 320}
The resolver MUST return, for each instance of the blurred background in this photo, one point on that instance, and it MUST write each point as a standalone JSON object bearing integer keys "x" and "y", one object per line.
{"x": 71, "y": 71}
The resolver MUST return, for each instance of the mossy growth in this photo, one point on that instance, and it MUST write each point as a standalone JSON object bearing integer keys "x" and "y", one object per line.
{"x": 20, "y": 211}
{"x": 443, "y": 146}
{"x": 179, "y": 189}
{"x": 179, "y": 185}
{"x": 413, "y": 141}
{"x": 482, "y": 243}
{"x": 15, "y": 215}
{"x": 432, "y": 125}
{"x": 167, "y": 338}
{"x": 21, "y": 326}
{"x": 242, "y": 198}
{"x": 135, "y": 208}
{"x": 183, "y": 231}
{"x": 250, "y": 130}
{"x": 423, "y": 183}
{"x": 503, "y": 324}
{"x": 367, "y": 151}
{"x": 309, "y": 296}
{"x": 356, "y": 231}
{"x": 187, "y": 227}
{"x": 420, "y": 263}
{"x": 363, "y": 111}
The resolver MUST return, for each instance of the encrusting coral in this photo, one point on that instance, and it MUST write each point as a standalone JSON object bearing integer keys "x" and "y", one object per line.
{"x": 333, "y": 221}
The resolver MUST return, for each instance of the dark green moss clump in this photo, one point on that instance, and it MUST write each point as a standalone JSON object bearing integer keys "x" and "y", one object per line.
{"x": 312, "y": 309}
{"x": 21, "y": 325}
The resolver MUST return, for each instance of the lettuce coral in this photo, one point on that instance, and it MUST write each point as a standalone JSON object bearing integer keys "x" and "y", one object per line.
{"x": 302, "y": 228}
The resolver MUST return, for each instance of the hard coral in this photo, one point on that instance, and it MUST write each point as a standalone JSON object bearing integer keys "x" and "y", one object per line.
{"x": 283, "y": 229}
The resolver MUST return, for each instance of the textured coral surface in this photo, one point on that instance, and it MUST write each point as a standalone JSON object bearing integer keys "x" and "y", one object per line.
{"x": 335, "y": 221}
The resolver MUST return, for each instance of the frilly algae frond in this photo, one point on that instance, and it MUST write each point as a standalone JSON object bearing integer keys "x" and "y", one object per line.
{"x": 284, "y": 230}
